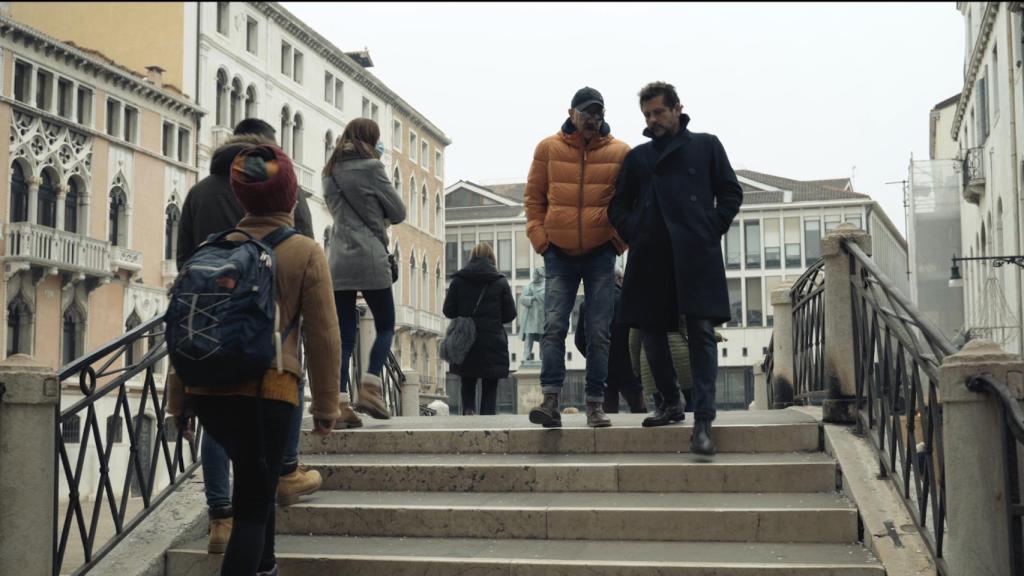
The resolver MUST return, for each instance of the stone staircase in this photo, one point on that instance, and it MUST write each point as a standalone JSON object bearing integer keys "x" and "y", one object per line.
{"x": 492, "y": 495}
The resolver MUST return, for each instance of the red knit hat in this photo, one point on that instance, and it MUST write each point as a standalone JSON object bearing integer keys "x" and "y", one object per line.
{"x": 263, "y": 180}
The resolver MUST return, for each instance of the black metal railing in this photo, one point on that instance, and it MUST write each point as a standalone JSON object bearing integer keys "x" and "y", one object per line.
{"x": 768, "y": 369}
{"x": 973, "y": 167}
{"x": 808, "y": 295}
{"x": 1013, "y": 448}
{"x": 897, "y": 354}
{"x": 121, "y": 370}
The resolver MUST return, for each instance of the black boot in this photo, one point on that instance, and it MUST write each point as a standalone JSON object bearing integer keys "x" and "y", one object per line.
{"x": 635, "y": 398}
{"x": 596, "y": 418}
{"x": 547, "y": 414}
{"x": 666, "y": 413}
{"x": 700, "y": 440}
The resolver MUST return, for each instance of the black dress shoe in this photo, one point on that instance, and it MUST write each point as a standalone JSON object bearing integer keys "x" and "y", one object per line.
{"x": 700, "y": 440}
{"x": 665, "y": 415}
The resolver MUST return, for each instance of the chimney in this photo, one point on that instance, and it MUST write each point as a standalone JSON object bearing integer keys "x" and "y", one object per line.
{"x": 155, "y": 75}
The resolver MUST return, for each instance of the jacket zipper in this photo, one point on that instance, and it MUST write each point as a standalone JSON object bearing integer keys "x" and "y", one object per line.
{"x": 579, "y": 211}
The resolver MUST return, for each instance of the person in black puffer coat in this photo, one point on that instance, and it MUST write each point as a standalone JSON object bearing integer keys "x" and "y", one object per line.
{"x": 488, "y": 357}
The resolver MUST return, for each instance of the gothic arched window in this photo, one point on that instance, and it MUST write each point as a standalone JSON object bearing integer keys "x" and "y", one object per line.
{"x": 236, "y": 102}
{"x": 222, "y": 97}
{"x": 285, "y": 132}
{"x": 117, "y": 217}
{"x": 250, "y": 102}
{"x": 46, "y": 204}
{"x": 19, "y": 194}
{"x": 71, "y": 202}
{"x": 172, "y": 215}
{"x": 73, "y": 339}
{"x": 297, "y": 138}
{"x": 19, "y": 327}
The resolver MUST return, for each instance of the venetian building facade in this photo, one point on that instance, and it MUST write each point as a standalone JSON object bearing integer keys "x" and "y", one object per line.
{"x": 256, "y": 59}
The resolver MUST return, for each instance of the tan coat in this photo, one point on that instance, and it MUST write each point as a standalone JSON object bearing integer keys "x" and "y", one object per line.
{"x": 303, "y": 284}
{"x": 568, "y": 191}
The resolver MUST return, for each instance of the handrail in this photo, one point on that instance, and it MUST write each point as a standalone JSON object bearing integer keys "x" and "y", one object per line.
{"x": 931, "y": 333}
{"x": 1014, "y": 414}
{"x": 147, "y": 440}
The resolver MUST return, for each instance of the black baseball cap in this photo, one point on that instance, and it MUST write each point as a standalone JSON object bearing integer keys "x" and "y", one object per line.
{"x": 585, "y": 97}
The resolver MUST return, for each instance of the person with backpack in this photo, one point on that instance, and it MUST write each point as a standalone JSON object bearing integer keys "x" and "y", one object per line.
{"x": 480, "y": 292}
{"x": 363, "y": 203}
{"x": 211, "y": 207}
{"x": 232, "y": 337}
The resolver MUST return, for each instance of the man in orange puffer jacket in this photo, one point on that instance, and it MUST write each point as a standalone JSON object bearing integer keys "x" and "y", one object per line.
{"x": 571, "y": 182}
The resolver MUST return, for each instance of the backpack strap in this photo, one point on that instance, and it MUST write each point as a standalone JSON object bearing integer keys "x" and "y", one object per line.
{"x": 279, "y": 235}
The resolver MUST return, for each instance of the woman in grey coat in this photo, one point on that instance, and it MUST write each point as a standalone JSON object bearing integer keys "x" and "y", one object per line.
{"x": 363, "y": 203}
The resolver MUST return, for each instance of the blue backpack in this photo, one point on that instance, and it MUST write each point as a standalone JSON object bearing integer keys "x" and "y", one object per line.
{"x": 222, "y": 320}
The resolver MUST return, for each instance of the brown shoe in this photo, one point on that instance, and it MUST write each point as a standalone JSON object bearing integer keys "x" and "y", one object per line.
{"x": 348, "y": 418}
{"x": 301, "y": 482}
{"x": 220, "y": 533}
{"x": 370, "y": 400}
{"x": 596, "y": 418}
{"x": 547, "y": 414}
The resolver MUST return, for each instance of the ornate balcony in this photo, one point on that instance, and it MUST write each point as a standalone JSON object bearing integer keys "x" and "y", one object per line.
{"x": 31, "y": 245}
{"x": 125, "y": 259}
{"x": 974, "y": 175}
{"x": 306, "y": 176}
{"x": 419, "y": 321}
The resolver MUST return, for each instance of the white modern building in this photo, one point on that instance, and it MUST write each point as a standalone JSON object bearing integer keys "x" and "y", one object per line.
{"x": 773, "y": 239}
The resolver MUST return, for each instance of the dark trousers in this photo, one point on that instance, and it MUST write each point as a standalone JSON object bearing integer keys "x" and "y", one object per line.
{"x": 382, "y": 305}
{"x": 703, "y": 348}
{"x": 238, "y": 423}
{"x": 488, "y": 395}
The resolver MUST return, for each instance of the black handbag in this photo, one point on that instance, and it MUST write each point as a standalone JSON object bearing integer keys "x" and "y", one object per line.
{"x": 391, "y": 257}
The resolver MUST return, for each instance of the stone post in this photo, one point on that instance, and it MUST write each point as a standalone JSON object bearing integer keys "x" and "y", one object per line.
{"x": 28, "y": 406}
{"x": 411, "y": 394}
{"x": 840, "y": 371}
{"x": 977, "y": 537}
{"x": 783, "y": 373}
{"x": 62, "y": 196}
{"x": 760, "y": 389}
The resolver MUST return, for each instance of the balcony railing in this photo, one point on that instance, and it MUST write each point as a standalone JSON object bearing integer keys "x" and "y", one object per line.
{"x": 409, "y": 317}
{"x": 125, "y": 259}
{"x": 307, "y": 177}
{"x": 974, "y": 175}
{"x": 47, "y": 247}
{"x": 220, "y": 135}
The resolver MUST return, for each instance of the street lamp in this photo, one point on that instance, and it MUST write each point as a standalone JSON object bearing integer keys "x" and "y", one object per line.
{"x": 957, "y": 281}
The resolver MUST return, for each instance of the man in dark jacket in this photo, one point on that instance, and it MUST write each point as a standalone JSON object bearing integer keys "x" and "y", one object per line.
{"x": 674, "y": 199}
{"x": 211, "y": 207}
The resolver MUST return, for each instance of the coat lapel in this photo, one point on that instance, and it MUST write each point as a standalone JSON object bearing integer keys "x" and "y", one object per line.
{"x": 681, "y": 139}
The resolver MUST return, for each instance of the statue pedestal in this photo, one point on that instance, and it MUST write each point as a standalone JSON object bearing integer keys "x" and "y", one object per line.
{"x": 528, "y": 386}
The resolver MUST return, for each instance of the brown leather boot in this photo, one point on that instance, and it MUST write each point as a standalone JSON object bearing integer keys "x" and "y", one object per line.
{"x": 547, "y": 414}
{"x": 596, "y": 418}
{"x": 348, "y": 418}
{"x": 220, "y": 530}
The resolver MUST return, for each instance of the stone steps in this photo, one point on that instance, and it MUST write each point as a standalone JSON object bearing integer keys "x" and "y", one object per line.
{"x": 319, "y": 555}
{"x": 492, "y": 495}
{"x": 777, "y": 472}
{"x": 515, "y": 435}
{"x": 806, "y": 518}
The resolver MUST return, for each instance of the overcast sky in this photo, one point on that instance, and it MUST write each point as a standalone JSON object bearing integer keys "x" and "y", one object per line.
{"x": 803, "y": 91}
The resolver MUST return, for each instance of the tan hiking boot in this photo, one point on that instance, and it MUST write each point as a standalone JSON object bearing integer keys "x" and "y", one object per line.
{"x": 301, "y": 482}
{"x": 348, "y": 418}
{"x": 596, "y": 418}
{"x": 220, "y": 533}
{"x": 370, "y": 398}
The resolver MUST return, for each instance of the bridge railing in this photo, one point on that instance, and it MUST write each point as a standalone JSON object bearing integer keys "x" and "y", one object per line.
{"x": 946, "y": 425}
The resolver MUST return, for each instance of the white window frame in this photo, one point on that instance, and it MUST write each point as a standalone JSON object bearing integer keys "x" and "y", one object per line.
{"x": 298, "y": 66}
{"x": 287, "y": 58}
{"x": 438, "y": 163}
{"x": 339, "y": 94}
{"x": 255, "y": 27}
{"x": 168, "y": 149}
{"x": 414, "y": 145}
{"x": 425, "y": 154}
{"x": 396, "y": 143}
{"x": 329, "y": 87}
{"x": 227, "y": 19}
{"x": 117, "y": 132}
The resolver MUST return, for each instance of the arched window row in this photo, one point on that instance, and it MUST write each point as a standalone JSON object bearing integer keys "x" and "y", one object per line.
{"x": 234, "y": 100}
{"x": 48, "y": 203}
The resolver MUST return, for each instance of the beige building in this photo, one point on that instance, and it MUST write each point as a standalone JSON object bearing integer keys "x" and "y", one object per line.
{"x": 417, "y": 171}
{"x": 98, "y": 158}
{"x": 256, "y": 59}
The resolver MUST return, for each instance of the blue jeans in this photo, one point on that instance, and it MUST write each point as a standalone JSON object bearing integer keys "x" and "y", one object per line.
{"x": 382, "y": 306}
{"x": 216, "y": 473}
{"x": 563, "y": 274}
{"x": 700, "y": 335}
